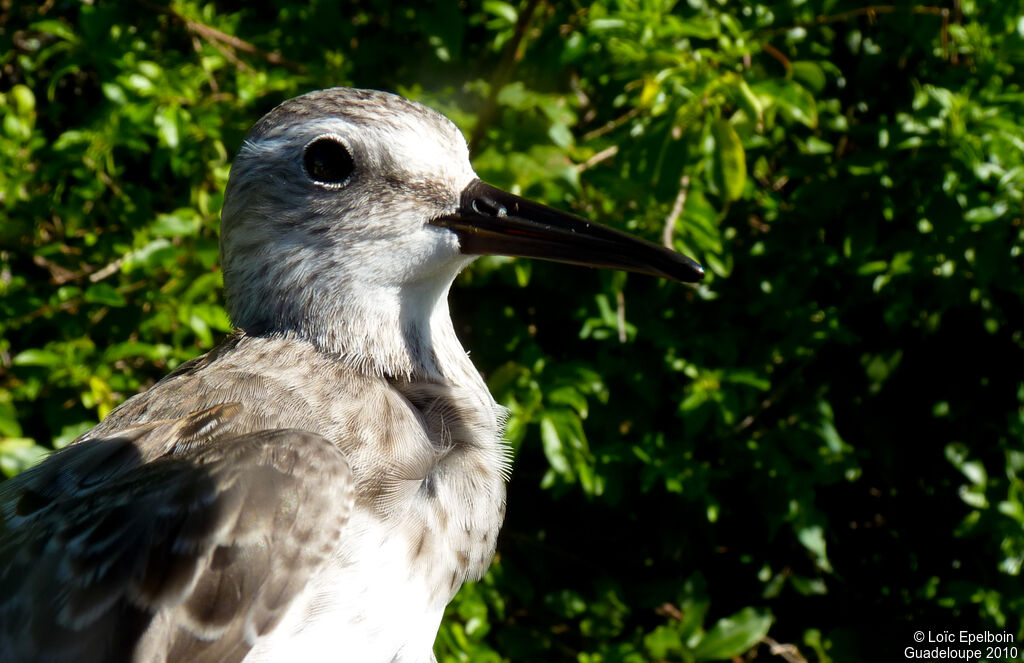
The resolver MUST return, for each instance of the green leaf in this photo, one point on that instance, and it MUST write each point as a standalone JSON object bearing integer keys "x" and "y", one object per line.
{"x": 605, "y": 24}
{"x": 560, "y": 135}
{"x": 182, "y": 223}
{"x": 698, "y": 28}
{"x": 17, "y": 128}
{"x": 9, "y": 426}
{"x": 663, "y": 642}
{"x": 734, "y": 635}
{"x": 975, "y": 472}
{"x": 37, "y": 357}
{"x": 808, "y": 586}
{"x": 71, "y": 432}
{"x": 986, "y": 213}
{"x": 501, "y": 9}
{"x": 152, "y": 255}
{"x": 23, "y": 100}
{"x": 730, "y": 164}
{"x": 213, "y": 315}
{"x": 553, "y": 448}
{"x": 136, "y": 349}
{"x": 813, "y": 538}
{"x": 873, "y": 267}
{"x": 809, "y": 74}
{"x": 55, "y": 28}
{"x": 104, "y": 293}
{"x": 167, "y": 122}
{"x": 17, "y": 454}
{"x": 792, "y": 99}
{"x": 746, "y": 377}
{"x": 749, "y": 101}
{"x": 570, "y": 396}
{"x": 114, "y": 93}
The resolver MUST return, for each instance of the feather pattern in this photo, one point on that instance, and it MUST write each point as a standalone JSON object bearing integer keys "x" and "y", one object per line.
{"x": 188, "y": 531}
{"x": 321, "y": 482}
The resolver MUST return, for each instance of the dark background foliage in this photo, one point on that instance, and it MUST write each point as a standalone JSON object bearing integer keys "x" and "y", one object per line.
{"x": 808, "y": 457}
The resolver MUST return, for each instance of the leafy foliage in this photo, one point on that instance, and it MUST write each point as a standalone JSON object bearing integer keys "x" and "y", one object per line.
{"x": 822, "y": 445}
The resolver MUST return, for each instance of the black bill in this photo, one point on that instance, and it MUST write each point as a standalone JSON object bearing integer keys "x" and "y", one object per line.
{"x": 490, "y": 221}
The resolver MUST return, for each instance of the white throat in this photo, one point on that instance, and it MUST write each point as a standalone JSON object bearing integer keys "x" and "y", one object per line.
{"x": 398, "y": 331}
{"x": 394, "y": 327}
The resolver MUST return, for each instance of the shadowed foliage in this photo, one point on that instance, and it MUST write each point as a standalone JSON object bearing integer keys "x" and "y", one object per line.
{"x": 813, "y": 454}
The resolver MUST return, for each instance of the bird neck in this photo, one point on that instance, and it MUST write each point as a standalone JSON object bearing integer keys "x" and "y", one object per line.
{"x": 403, "y": 331}
{"x": 397, "y": 331}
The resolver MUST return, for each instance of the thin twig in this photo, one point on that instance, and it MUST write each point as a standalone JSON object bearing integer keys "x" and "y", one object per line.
{"x": 773, "y": 397}
{"x": 606, "y": 153}
{"x": 786, "y": 651}
{"x": 70, "y": 305}
{"x": 103, "y": 176}
{"x": 677, "y": 209}
{"x": 44, "y": 310}
{"x": 109, "y": 270}
{"x": 613, "y": 124}
{"x": 870, "y": 11}
{"x": 944, "y": 39}
{"x": 223, "y": 41}
{"x": 58, "y": 274}
{"x": 778, "y": 55}
{"x": 513, "y": 53}
{"x": 582, "y": 100}
{"x": 669, "y": 610}
{"x": 620, "y": 315}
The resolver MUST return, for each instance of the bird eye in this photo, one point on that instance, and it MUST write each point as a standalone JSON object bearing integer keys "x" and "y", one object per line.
{"x": 327, "y": 161}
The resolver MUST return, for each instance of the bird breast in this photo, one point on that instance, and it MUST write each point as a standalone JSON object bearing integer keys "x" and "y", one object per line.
{"x": 429, "y": 468}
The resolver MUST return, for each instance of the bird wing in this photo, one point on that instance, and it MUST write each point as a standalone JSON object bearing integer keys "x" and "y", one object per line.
{"x": 107, "y": 554}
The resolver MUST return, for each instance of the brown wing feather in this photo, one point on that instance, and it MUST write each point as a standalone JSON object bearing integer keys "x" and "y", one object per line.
{"x": 189, "y": 557}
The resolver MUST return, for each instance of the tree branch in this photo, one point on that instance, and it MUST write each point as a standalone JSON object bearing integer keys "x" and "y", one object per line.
{"x": 870, "y": 11}
{"x": 606, "y": 153}
{"x": 509, "y": 59}
{"x": 677, "y": 209}
{"x": 223, "y": 41}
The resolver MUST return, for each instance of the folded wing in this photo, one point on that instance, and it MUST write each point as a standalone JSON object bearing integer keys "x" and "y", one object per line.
{"x": 110, "y": 552}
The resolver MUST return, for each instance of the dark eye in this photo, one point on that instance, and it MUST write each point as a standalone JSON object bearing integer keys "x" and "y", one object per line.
{"x": 327, "y": 161}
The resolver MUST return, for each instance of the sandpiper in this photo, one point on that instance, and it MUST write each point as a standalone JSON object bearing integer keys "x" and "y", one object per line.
{"x": 319, "y": 485}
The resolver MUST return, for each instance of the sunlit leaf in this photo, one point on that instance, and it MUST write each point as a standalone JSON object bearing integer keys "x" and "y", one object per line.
{"x": 730, "y": 170}
{"x": 734, "y": 635}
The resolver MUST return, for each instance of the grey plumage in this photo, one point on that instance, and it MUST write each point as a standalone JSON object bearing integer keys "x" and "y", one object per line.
{"x": 320, "y": 484}
{"x": 178, "y": 470}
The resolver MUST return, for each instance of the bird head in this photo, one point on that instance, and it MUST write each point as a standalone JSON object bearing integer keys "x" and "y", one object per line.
{"x": 361, "y": 200}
